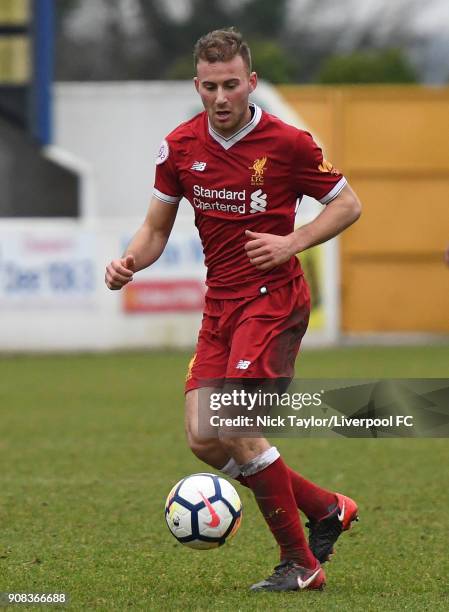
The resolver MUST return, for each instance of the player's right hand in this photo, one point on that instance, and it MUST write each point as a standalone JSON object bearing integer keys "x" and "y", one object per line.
{"x": 120, "y": 272}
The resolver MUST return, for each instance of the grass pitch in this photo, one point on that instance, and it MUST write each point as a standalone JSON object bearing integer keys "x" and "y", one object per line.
{"x": 90, "y": 446}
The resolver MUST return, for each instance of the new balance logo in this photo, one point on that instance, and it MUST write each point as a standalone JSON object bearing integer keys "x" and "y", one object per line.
{"x": 243, "y": 365}
{"x": 258, "y": 202}
{"x": 200, "y": 166}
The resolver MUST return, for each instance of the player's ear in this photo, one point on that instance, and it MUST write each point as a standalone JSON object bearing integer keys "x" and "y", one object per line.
{"x": 197, "y": 83}
{"x": 252, "y": 82}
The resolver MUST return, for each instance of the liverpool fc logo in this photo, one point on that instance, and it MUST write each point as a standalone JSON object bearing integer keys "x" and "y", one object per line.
{"x": 258, "y": 167}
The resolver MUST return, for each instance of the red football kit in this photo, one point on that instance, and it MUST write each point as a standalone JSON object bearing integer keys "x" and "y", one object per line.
{"x": 253, "y": 320}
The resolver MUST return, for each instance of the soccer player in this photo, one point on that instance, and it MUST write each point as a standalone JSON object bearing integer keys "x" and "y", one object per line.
{"x": 243, "y": 171}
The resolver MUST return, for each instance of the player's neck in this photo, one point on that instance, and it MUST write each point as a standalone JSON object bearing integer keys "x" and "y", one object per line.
{"x": 248, "y": 116}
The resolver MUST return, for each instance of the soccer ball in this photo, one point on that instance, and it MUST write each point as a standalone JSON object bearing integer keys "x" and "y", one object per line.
{"x": 203, "y": 511}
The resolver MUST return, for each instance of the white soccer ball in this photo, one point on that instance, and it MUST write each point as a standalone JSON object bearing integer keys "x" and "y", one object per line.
{"x": 203, "y": 511}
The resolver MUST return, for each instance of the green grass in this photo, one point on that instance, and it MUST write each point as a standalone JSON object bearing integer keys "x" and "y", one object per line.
{"x": 90, "y": 446}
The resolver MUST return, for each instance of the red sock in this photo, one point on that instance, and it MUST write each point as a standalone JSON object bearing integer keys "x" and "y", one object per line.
{"x": 272, "y": 489}
{"x": 311, "y": 499}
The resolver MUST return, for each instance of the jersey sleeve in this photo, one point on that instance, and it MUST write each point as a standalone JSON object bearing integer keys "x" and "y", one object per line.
{"x": 312, "y": 174}
{"x": 166, "y": 183}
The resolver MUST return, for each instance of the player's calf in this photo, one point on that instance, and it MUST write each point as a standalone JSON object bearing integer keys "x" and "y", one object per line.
{"x": 208, "y": 450}
{"x": 206, "y": 447}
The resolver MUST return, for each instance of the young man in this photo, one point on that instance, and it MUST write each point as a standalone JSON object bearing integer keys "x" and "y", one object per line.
{"x": 243, "y": 171}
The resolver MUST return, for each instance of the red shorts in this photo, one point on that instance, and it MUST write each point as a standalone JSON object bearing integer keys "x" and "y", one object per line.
{"x": 250, "y": 338}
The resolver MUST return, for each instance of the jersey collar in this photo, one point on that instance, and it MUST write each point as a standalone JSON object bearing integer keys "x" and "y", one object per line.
{"x": 227, "y": 143}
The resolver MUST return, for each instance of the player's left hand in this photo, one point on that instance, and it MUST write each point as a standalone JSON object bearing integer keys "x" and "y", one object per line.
{"x": 266, "y": 251}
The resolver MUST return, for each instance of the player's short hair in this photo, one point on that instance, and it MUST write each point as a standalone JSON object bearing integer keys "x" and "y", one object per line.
{"x": 222, "y": 46}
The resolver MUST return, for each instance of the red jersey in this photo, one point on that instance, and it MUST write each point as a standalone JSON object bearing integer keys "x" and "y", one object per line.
{"x": 252, "y": 180}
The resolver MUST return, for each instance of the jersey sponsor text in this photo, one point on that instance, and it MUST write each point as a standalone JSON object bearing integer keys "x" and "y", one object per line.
{"x": 258, "y": 200}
